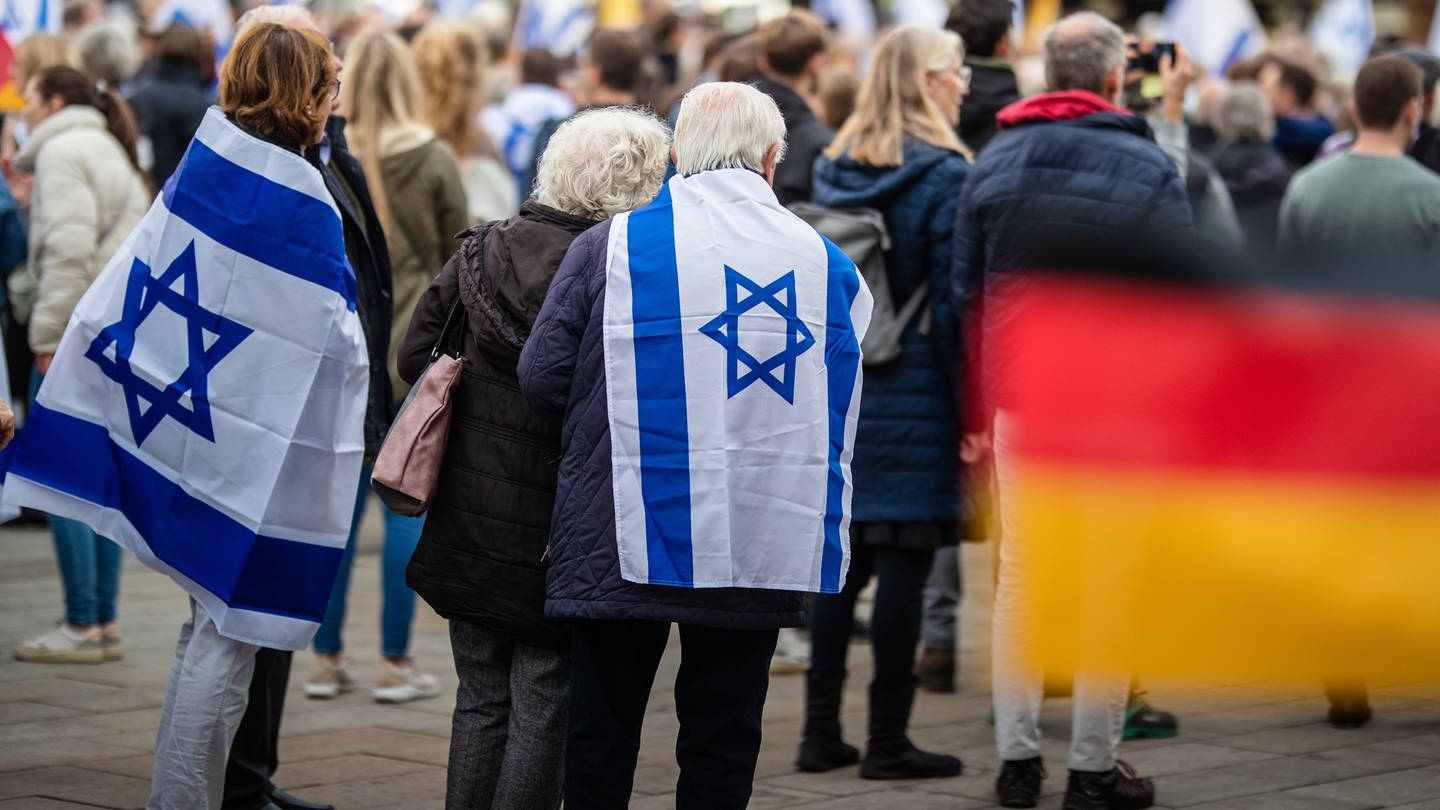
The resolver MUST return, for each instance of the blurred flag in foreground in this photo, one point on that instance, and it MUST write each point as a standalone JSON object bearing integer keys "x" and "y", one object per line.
{"x": 1224, "y": 484}
{"x": 1344, "y": 30}
{"x": 1216, "y": 32}
{"x": 204, "y": 408}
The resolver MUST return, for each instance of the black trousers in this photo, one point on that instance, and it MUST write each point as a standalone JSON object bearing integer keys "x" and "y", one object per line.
{"x": 894, "y": 624}
{"x": 254, "y": 753}
{"x": 719, "y": 697}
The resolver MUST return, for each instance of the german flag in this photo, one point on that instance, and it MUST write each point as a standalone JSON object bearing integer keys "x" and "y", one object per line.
{"x": 1222, "y": 483}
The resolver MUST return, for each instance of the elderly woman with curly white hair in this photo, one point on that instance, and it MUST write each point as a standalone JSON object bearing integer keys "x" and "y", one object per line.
{"x": 481, "y": 558}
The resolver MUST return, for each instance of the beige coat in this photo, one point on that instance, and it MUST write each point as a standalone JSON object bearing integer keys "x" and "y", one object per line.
{"x": 87, "y": 199}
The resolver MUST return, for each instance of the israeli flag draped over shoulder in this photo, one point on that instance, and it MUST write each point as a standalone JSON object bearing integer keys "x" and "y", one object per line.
{"x": 206, "y": 404}
{"x": 732, "y": 360}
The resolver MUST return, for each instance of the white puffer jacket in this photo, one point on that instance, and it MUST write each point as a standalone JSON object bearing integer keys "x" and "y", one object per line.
{"x": 87, "y": 198}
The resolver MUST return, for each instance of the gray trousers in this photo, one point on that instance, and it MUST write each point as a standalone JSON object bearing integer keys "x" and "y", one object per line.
{"x": 1099, "y": 704}
{"x": 942, "y": 599}
{"x": 204, "y": 701}
{"x": 507, "y": 739}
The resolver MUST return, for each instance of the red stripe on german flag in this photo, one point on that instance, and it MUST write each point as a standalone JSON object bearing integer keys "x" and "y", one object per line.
{"x": 1225, "y": 484}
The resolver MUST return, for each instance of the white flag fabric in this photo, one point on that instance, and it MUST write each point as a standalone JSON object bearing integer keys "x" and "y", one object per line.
{"x": 205, "y": 407}
{"x": 854, "y": 17}
{"x": 1217, "y": 33}
{"x": 1344, "y": 30}
{"x": 560, "y": 25}
{"x": 21, "y": 18}
{"x": 732, "y": 354}
{"x": 214, "y": 15}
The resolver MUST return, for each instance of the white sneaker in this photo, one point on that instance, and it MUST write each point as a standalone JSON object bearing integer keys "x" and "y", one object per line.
{"x": 401, "y": 682}
{"x": 792, "y": 653}
{"x": 61, "y": 646}
{"x": 326, "y": 680}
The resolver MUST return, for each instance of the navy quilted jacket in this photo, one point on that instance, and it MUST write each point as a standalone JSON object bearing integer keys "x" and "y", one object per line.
{"x": 562, "y": 369}
{"x": 905, "y": 447}
{"x": 1071, "y": 181}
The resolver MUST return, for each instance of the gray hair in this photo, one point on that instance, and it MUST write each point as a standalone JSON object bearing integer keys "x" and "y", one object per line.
{"x": 602, "y": 162}
{"x": 1245, "y": 114}
{"x": 289, "y": 16}
{"x": 726, "y": 125}
{"x": 108, "y": 51}
{"x": 1081, "y": 50}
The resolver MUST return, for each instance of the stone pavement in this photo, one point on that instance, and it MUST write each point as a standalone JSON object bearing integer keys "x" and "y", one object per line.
{"x": 81, "y": 736}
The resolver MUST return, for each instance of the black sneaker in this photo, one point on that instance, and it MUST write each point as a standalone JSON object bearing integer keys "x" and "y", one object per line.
{"x": 1117, "y": 789}
{"x": 1144, "y": 721}
{"x": 1019, "y": 782}
{"x": 1349, "y": 713}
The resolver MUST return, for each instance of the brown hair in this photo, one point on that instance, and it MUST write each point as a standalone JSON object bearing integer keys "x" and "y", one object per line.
{"x": 1383, "y": 88}
{"x": 791, "y": 41}
{"x": 74, "y": 87}
{"x": 619, "y": 56}
{"x": 450, "y": 58}
{"x": 272, "y": 79}
{"x": 892, "y": 102}
{"x": 183, "y": 45}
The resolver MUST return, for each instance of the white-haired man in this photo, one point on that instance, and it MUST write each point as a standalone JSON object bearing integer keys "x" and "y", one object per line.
{"x": 1070, "y": 181}
{"x": 704, "y": 350}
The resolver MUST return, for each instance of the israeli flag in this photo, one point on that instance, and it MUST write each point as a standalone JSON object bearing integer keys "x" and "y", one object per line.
{"x": 1217, "y": 33}
{"x": 21, "y": 18}
{"x": 212, "y": 15}
{"x": 732, "y": 354}
{"x": 560, "y": 25}
{"x": 205, "y": 406}
{"x": 1344, "y": 30}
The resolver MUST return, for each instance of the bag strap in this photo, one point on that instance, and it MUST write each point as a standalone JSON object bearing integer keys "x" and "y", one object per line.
{"x": 445, "y": 330}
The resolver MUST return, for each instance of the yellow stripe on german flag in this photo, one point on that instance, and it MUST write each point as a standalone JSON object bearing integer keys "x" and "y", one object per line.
{"x": 1224, "y": 484}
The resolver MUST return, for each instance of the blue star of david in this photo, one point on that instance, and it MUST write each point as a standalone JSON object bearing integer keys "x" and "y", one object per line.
{"x": 142, "y": 295}
{"x": 725, "y": 330}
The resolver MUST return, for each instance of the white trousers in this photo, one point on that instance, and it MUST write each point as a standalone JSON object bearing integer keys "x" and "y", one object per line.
{"x": 204, "y": 701}
{"x": 1099, "y": 704}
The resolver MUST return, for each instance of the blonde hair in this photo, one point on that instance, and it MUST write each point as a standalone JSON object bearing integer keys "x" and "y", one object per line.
{"x": 37, "y": 52}
{"x": 602, "y": 162}
{"x": 450, "y": 58}
{"x": 381, "y": 92}
{"x": 892, "y": 102}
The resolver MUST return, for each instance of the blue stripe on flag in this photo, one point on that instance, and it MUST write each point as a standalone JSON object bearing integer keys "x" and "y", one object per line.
{"x": 842, "y": 362}
{"x": 1237, "y": 50}
{"x": 660, "y": 373}
{"x": 262, "y": 574}
{"x": 256, "y": 216}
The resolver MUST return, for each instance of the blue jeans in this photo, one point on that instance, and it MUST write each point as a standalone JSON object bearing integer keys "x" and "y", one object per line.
{"x": 89, "y": 564}
{"x": 397, "y": 601}
{"x": 89, "y": 570}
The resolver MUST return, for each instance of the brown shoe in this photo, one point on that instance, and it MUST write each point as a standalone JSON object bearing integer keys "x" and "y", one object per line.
{"x": 936, "y": 671}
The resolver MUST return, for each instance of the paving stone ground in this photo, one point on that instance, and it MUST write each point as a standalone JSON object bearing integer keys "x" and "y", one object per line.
{"x": 82, "y": 736}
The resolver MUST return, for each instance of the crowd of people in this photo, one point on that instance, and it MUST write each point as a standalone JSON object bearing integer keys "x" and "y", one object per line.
{"x": 503, "y": 206}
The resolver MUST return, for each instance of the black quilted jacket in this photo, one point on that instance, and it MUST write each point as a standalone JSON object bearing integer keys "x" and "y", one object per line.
{"x": 481, "y": 553}
{"x": 562, "y": 370}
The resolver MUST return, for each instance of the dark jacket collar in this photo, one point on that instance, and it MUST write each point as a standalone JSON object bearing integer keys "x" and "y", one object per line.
{"x": 793, "y": 108}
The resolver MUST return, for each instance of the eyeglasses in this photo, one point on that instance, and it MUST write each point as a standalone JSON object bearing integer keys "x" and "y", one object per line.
{"x": 335, "y": 94}
{"x": 962, "y": 75}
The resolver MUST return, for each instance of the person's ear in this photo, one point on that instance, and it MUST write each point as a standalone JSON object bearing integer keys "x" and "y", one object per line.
{"x": 1005, "y": 48}
{"x": 1115, "y": 86}
{"x": 1354, "y": 113}
{"x": 772, "y": 160}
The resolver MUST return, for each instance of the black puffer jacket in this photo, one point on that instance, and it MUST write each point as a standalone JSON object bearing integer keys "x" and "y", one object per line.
{"x": 481, "y": 556}
{"x": 1257, "y": 177}
{"x": 992, "y": 88}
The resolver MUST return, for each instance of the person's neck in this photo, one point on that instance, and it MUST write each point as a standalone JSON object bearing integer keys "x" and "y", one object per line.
{"x": 797, "y": 84}
{"x": 1380, "y": 143}
{"x": 606, "y": 97}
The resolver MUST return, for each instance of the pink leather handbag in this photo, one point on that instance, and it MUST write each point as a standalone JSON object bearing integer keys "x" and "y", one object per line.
{"x": 407, "y": 468}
